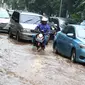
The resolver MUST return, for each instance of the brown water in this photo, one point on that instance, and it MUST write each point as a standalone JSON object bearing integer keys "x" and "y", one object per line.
{"x": 21, "y": 64}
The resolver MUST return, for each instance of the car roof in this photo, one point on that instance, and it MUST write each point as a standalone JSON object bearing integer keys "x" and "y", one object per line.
{"x": 58, "y": 18}
{"x": 67, "y": 20}
{"x": 62, "y": 18}
{"x": 28, "y": 13}
{"x": 83, "y": 21}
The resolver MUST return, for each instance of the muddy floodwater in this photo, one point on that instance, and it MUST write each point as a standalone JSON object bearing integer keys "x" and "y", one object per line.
{"x": 21, "y": 64}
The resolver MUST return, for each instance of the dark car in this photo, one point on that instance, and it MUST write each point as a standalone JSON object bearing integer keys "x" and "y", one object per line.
{"x": 21, "y": 24}
{"x": 62, "y": 22}
{"x": 58, "y": 23}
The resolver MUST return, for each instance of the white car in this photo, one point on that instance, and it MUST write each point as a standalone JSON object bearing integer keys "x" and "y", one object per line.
{"x": 4, "y": 20}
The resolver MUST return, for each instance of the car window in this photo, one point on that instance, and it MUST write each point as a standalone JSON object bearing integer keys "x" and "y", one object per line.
{"x": 68, "y": 29}
{"x": 62, "y": 21}
{"x": 50, "y": 19}
{"x": 15, "y": 16}
{"x": 31, "y": 19}
{"x": 4, "y": 14}
{"x": 71, "y": 30}
{"x": 80, "y": 30}
{"x": 71, "y": 21}
{"x": 65, "y": 30}
{"x": 55, "y": 21}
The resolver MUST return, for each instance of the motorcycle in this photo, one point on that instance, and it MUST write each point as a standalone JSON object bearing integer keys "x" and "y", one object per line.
{"x": 39, "y": 40}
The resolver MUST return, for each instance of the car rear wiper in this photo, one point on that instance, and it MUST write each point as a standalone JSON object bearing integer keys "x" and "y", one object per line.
{"x": 6, "y": 17}
{"x": 27, "y": 20}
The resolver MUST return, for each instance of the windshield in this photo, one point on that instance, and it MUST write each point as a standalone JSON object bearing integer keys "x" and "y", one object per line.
{"x": 81, "y": 32}
{"x": 30, "y": 19}
{"x": 4, "y": 14}
{"x": 65, "y": 21}
{"x": 61, "y": 21}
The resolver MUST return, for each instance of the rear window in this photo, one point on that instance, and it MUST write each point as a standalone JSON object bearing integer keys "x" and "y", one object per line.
{"x": 67, "y": 21}
{"x": 71, "y": 21}
{"x": 31, "y": 19}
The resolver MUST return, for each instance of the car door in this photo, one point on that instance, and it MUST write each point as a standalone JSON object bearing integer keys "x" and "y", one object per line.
{"x": 14, "y": 22}
{"x": 68, "y": 42}
{"x": 61, "y": 41}
{"x": 65, "y": 41}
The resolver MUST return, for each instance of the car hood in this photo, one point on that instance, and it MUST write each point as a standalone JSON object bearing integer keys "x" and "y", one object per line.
{"x": 28, "y": 26}
{"x": 82, "y": 40}
{"x": 4, "y": 20}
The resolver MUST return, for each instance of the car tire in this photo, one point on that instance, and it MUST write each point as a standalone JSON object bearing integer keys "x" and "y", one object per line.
{"x": 54, "y": 48}
{"x": 10, "y": 34}
{"x": 17, "y": 36}
{"x": 73, "y": 56}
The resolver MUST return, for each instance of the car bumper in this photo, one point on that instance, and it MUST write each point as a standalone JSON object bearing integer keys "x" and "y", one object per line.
{"x": 3, "y": 30}
{"x": 27, "y": 36}
{"x": 81, "y": 57}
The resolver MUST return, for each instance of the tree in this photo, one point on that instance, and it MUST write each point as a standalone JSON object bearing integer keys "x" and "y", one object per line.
{"x": 73, "y": 8}
{"x": 47, "y": 6}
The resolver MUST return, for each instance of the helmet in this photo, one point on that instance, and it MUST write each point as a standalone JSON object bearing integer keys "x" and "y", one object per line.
{"x": 44, "y": 19}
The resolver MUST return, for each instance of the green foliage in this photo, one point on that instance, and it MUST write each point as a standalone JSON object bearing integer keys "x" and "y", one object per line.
{"x": 50, "y": 7}
{"x": 77, "y": 17}
{"x": 47, "y": 6}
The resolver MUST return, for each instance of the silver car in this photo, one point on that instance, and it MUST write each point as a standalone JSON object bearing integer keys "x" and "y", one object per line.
{"x": 21, "y": 24}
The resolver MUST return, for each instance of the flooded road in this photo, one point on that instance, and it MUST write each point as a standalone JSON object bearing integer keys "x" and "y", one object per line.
{"x": 21, "y": 64}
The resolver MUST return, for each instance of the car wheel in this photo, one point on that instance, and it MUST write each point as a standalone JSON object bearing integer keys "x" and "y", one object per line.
{"x": 17, "y": 36}
{"x": 54, "y": 48}
{"x": 10, "y": 34}
{"x": 73, "y": 56}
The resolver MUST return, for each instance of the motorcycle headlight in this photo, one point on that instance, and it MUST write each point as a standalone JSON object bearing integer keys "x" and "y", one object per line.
{"x": 40, "y": 37}
{"x": 82, "y": 45}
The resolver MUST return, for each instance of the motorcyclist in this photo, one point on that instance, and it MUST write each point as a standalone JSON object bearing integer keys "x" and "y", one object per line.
{"x": 43, "y": 26}
{"x": 54, "y": 27}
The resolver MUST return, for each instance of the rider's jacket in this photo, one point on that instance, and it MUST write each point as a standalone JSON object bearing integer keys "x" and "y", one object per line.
{"x": 45, "y": 28}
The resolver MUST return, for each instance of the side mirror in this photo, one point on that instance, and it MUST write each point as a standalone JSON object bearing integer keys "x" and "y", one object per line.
{"x": 16, "y": 20}
{"x": 70, "y": 35}
{"x": 55, "y": 25}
